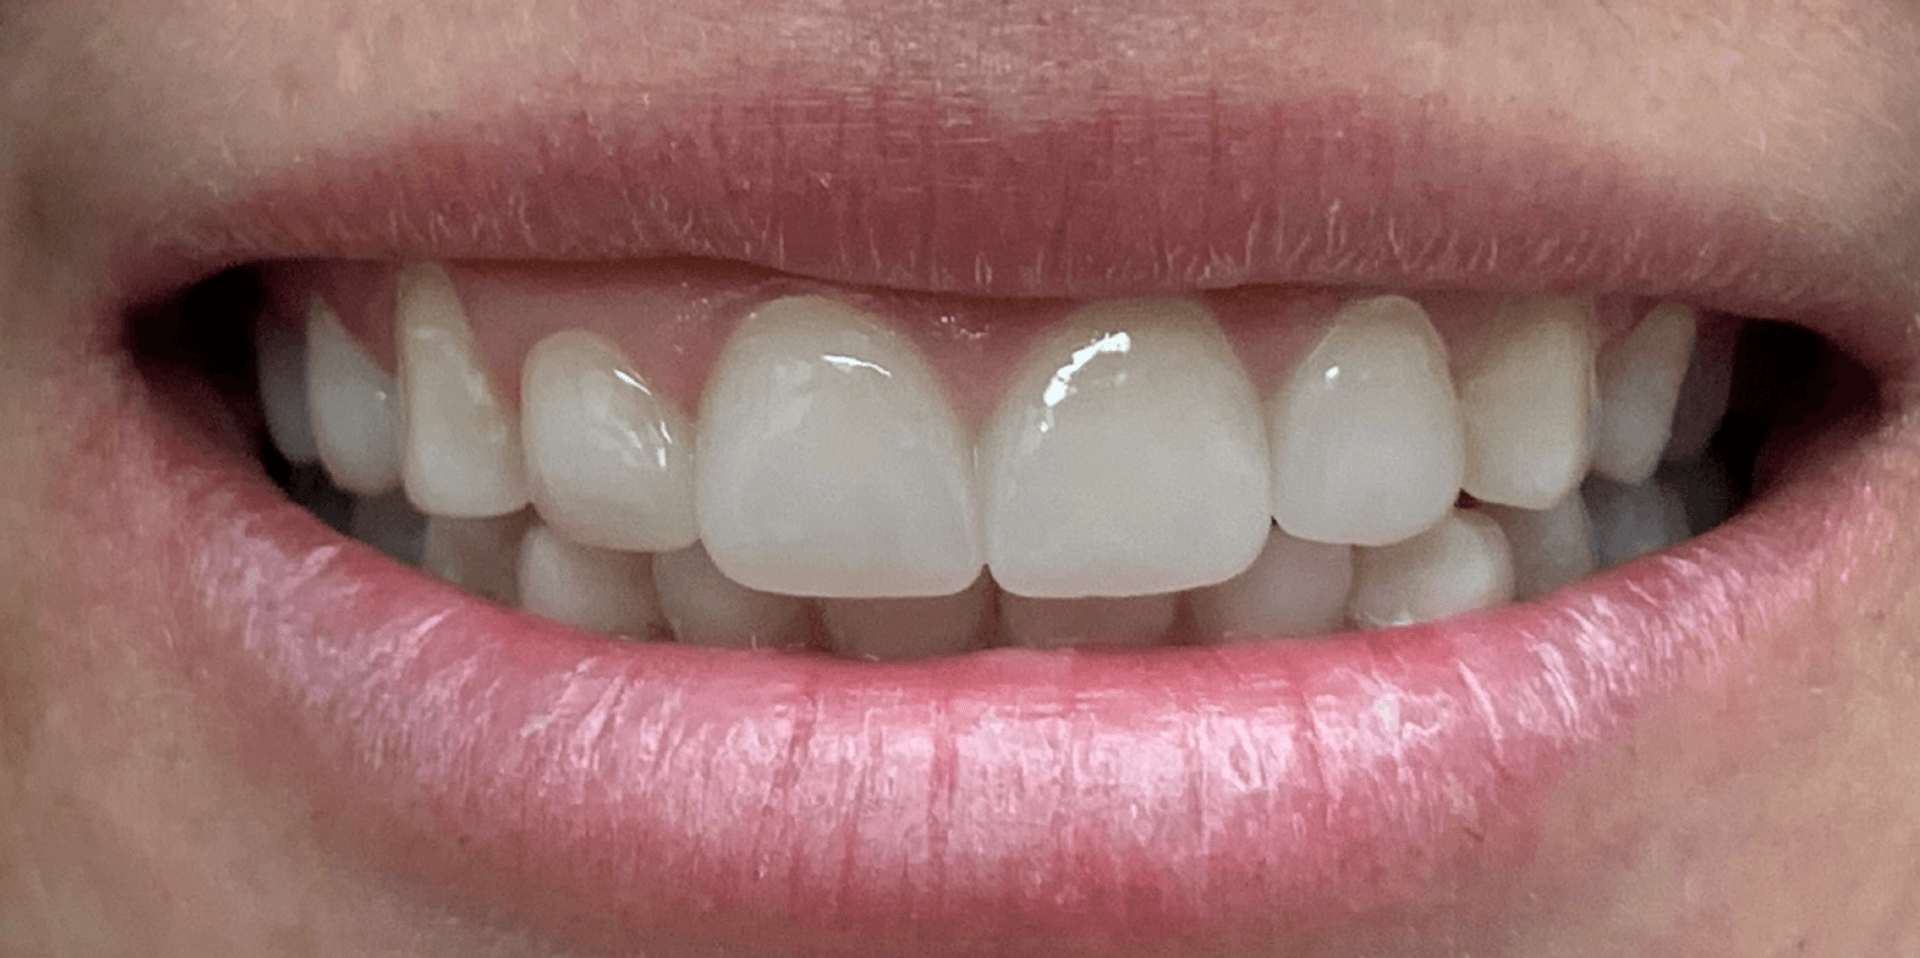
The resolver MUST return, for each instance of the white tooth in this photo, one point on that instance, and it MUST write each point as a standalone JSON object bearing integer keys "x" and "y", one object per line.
{"x": 1703, "y": 396}
{"x": 1551, "y": 547}
{"x": 704, "y": 607}
{"x": 279, "y": 364}
{"x": 1296, "y": 587}
{"x": 1138, "y": 620}
{"x": 910, "y": 628}
{"x": 599, "y": 590}
{"x": 830, "y": 462}
{"x": 1128, "y": 458}
{"x": 1526, "y": 396}
{"x": 609, "y": 464}
{"x": 479, "y": 555}
{"x": 1367, "y": 444}
{"x": 1640, "y": 380}
{"x": 1459, "y": 565}
{"x": 463, "y": 444}
{"x": 389, "y": 523}
{"x": 1631, "y": 521}
{"x": 355, "y": 407}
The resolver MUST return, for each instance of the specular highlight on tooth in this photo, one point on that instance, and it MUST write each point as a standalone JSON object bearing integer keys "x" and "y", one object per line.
{"x": 1527, "y": 390}
{"x": 599, "y": 590}
{"x": 1138, "y": 620}
{"x": 1367, "y": 441}
{"x": 914, "y": 628}
{"x": 354, "y": 406}
{"x": 478, "y": 555}
{"x": 1640, "y": 379}
{"x": 1551, "y": 547}
{"x": 462, "y": 453}
{"x": 830, "y": 461}
{"x": 1632, "y": 521}
{"x": 280, "y": 367}
{"x": 609, "y": 463}
{"x": 1703, "y": 395}
{"x": 1459, "y": 565}
{"x": 1127, "y": 457}
{"x": 1295, "y": 587}
{"x": 704, "y": 607}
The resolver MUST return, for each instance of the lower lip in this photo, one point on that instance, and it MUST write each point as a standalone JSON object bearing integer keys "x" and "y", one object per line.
{"x": 1105, "y": 802}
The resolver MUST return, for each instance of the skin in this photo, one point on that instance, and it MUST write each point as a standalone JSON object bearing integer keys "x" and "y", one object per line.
{"x": 1780, "y": 814}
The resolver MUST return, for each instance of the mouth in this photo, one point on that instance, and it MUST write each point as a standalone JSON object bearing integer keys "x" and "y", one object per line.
{"x": 854, "y": 573}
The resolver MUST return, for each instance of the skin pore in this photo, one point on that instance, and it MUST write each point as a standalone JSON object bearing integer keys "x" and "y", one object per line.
{"x": 1770, "y": 804}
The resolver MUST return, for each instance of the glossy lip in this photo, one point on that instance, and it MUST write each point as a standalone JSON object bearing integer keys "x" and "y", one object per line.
{"x": 1061, "y": 802}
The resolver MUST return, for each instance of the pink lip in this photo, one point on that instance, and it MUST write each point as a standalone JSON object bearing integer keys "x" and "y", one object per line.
{"x": 1061, "y": 802}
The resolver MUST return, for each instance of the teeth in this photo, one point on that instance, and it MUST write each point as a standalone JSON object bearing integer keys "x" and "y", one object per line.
{"x": 1526, "y": 396}
{"x": 595, "y": 589}
{"x": 608, "y": 463}
{"x": 354, "y": 407}
{"x": 1631, "y": 521}
{"x": 1138, "y": 620}
{"x": 1551, "y": 547}
{"x": 1703, "y": 397}
{"x": 910, "y": 628}
{"x": 1703, "y": 485}
{"x": 1367, "y": 444}
{"x": 478, "y": 555}
{"x": 278, "y": 355}
{"x": 389, "y": 523}
{"x": 1295, "y": 587}
{"x": 1639, "y": 383}
{"x": 1129, "y": 457}
{"x": 831, "y": 464}
{"x": 1459, "y": 565}
{"x": 705, "y": 607}
{"x": 463, "y": 445}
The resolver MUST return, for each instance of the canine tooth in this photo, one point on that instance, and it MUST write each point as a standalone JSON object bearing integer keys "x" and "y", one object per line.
{"x": 609, "y": 464}
{"x": 1367, "y": 444}
{"x": 830, "y": 462}
{"x": 1551, "y": 547}
{"x": 599, "y": 590}
{"x": 1295, "y": 587}
{"x": 910, "y": 628}
{"x": 279, "y": 365}
{"x": 354, "y": 406}
{"x": 1458, "y": 565}
{"x": 1640, "y": 380}
{"x": 478, "y": 555}
{"x": 1703, "y": 396}
{"x": 1128, "y": 458}
{"x": 1631, "y": 521}
{"x": 463, "y": 444}
{"x": 704, "y": 607}
{"x": 1136, "y": 620}
{"x": 389, "y": 522}
{"x": 1526, "y": 394}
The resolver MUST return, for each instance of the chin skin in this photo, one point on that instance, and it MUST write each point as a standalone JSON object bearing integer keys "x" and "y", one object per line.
{"x": 1772, "y": 811}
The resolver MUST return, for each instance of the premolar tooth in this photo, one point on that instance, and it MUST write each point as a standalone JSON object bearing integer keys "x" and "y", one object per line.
{"x": 279, "y": 365}
{"x": 1640, "y": 379}
{"x": 609, "y": 464}
{"x": 704, "y": 607}
{"x": 1703, "y": 396}
{"x": 389, "y": 522}
{"x": 599, "y": 590}
{"x": 1127, "y": 458}
{"x": 1137, "y": 620}
{"x": 1295, "y": 587}
{"x": 1551, "y": 547}
{"x": 354, "y": 406}
{"x": 1631, "y": 521}
{"x": 1458, "y": 565}
{"x": 1526, "y": 396}
{"x": 463, "y": 444}
{"x": 910, "y": 628}
{"x": 1367, "y": 444}
{"x": 830, "y": 462}
{"x": 478, "y": 555}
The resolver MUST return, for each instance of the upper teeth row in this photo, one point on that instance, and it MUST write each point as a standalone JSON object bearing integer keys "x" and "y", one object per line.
{"x": 1129, "y": 455}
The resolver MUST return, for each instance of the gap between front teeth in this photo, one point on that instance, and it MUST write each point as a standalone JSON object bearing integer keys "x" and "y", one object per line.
{"x": 1129, "y": 460}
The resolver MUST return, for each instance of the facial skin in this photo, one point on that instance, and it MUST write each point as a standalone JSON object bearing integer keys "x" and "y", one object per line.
{"x": 1776, "y": 810}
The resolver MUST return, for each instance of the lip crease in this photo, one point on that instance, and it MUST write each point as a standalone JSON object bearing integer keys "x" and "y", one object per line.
{"x": 1085, "y": 802}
